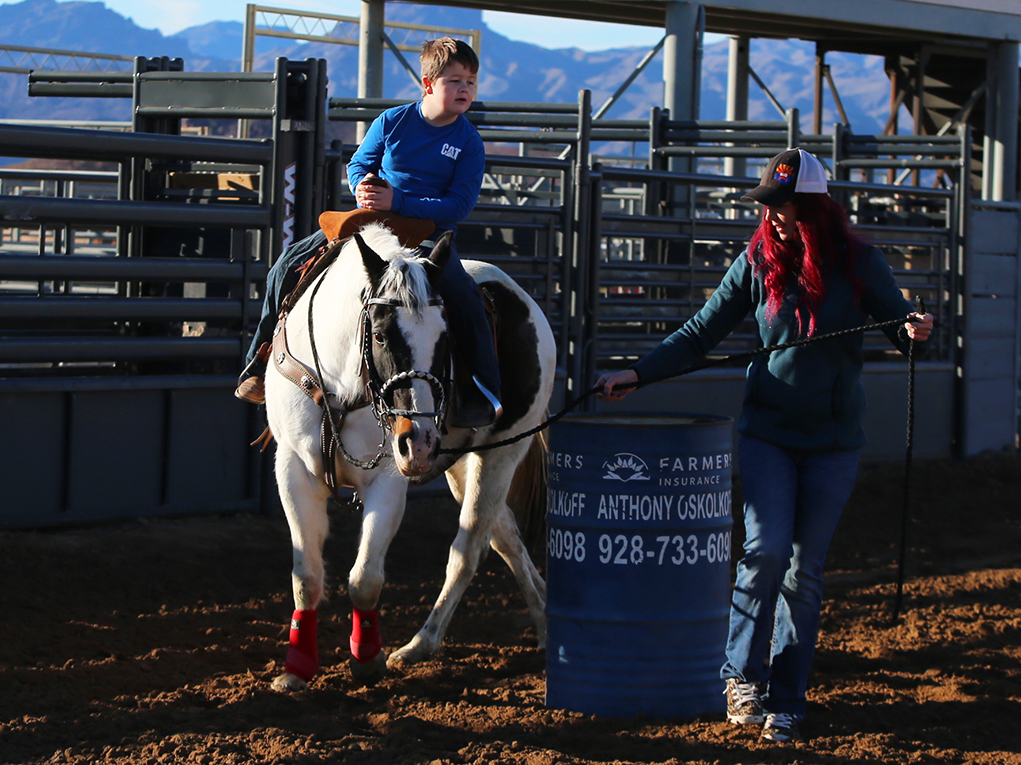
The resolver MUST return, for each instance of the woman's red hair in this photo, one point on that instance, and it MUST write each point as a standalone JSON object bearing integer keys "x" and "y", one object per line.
{"x": 827, "y": 240}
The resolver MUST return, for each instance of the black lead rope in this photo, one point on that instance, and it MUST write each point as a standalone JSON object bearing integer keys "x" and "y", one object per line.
{"x": 695, "y": 368}
{"x": 905, "y": 518}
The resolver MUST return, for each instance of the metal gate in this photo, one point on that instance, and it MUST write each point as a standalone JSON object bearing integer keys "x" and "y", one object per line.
{"x": 126, "y": 299}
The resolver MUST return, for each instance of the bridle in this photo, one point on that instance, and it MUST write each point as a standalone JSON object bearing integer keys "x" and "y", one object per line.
{"x": 376, "y": 391}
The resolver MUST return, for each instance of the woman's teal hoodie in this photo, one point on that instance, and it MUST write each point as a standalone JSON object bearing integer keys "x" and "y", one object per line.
{"x": 808, "y": 398}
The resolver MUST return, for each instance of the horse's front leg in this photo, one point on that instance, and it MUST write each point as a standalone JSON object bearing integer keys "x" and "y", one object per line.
{"x": 484, "y": 494}
{"x": 384, "y": 501}
{"x": 304, "y": 499}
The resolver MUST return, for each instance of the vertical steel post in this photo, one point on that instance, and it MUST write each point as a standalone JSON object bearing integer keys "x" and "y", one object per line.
{"x": 896, "y": 99}
{"x": 247, "y": 58}
{"x": 918, "y": 101}
{"x": 737, "y": 97}
{"x": 1004, "y": 133}
{"x": 370, "y": 54}
{"x": 594, "y": 278}
{"x": 960, "y": 300}
{"x": 281, "y": 234}
{"x": 248, "y": 43}
{"x": 581, "y": 252}
{"x": 820, "y": 64}
{"x": 991, "y": 122}
{"x": 319, "y": 121}
{"x": 793, "y": 128}
{"x": 681, "y": 67}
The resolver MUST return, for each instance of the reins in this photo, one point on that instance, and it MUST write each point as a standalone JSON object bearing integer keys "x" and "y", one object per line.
{"x": 330, "y": 433}
{"x": 694, "y": 368}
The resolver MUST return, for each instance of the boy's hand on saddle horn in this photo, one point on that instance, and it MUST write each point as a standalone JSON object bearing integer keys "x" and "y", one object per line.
{"x": 616, "y": 385}
{"x": 374, "y": 193}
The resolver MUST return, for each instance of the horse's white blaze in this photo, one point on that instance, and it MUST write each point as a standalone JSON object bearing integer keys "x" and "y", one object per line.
{"x": 415, "y": 455}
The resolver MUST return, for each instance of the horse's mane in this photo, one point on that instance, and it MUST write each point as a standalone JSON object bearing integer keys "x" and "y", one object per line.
{"x": 405, "y": 278}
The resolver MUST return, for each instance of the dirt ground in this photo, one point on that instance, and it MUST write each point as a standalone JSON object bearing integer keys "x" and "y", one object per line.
{"x": 155, "y": 642}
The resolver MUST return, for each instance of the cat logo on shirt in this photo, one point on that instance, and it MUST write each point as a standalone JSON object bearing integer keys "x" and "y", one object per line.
{"x": 450, "y": 151}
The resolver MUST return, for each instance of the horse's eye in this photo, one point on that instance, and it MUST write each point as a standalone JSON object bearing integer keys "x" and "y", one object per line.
{"x": 379, "y": 337}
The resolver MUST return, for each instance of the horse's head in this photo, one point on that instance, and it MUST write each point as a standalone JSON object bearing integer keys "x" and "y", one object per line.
{"x": 405, "y": 349}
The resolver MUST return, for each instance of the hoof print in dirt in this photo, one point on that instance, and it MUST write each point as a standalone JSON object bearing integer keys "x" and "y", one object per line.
{"x": 370, "y": 672}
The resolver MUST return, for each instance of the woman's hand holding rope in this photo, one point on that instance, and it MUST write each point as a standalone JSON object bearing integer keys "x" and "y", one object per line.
{"x": 613, "y": 386}
{"x": 919, "y": 326}
{"x": 616, "y": 385}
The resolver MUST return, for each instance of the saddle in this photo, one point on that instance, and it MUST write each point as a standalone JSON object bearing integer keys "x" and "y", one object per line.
{"x": 410, "y": 232}
{"x": 338, "y": 228}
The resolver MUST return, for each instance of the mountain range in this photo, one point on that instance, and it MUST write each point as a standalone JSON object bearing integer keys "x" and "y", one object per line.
{"x": 511, "y": 70}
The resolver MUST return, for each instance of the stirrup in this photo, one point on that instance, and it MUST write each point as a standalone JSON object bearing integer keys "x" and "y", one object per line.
{"x": 477, "y": 407}
{"x": 493, "y": 400}
{"x": 252, "y": 390}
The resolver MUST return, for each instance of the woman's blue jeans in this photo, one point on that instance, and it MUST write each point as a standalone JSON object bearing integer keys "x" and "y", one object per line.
{"x": 792, "y": 502}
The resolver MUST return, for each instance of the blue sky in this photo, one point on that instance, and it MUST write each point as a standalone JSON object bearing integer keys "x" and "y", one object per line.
{"x": 170, "y": 16}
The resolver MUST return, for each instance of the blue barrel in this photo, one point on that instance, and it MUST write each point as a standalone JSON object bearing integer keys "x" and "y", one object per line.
{"x": 638, "y": 564}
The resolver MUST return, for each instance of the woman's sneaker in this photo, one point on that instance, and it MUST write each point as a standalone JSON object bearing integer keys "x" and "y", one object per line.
{"x": 781, "y": 728}
{"x": 744, "y": 703}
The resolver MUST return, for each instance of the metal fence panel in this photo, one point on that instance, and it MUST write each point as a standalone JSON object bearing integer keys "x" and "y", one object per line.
{"x": 207, "y": 457}
{"x": 115, "y": 448}
{"x": 32, "y": 458}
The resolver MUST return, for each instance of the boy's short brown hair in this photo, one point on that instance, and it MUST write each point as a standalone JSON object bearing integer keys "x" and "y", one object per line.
{"x": 439, "y": 53}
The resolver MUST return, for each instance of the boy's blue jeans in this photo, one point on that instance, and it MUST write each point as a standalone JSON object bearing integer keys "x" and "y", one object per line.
{"x": 792, "y": 502}
{"x": 466, "y": 314}
{"x": 283, "y": 277}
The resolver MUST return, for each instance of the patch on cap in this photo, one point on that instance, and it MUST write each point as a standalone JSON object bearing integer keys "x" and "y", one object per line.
{"x": 783, "y": 173}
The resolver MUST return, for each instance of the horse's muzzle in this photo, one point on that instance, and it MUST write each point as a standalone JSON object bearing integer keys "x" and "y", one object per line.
{"x": 416, "y": 444}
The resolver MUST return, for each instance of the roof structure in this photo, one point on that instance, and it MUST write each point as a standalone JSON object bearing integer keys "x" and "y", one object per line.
{"x": 857, "y": 25}
{"x": 950, "y": 62}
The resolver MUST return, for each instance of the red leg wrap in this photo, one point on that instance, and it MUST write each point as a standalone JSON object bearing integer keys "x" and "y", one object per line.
{"x": 365, "y": 640}
{"x": 303, "y": 655}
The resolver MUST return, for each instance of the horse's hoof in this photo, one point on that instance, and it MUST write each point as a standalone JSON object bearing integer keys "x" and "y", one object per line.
{"x": 288, "y": 683}
{"x": 369, "y": 672}
{"x": 412, "y": 653}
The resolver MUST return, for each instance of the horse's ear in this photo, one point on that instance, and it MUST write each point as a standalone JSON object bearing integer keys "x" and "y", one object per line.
{"x": 375, "y": 266}
{"x": 441, "y": 250}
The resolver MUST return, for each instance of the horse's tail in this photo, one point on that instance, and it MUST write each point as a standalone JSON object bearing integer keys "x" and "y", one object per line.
{"x": 527, "y": 496}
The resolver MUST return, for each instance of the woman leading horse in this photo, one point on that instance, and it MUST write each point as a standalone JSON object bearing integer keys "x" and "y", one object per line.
{"x": 805, "y": 273}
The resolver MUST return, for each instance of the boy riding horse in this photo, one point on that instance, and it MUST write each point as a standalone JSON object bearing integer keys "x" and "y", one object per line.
{"x": 422, "y": 160}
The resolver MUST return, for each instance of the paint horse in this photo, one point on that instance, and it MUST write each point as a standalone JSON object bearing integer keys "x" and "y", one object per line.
{"x": 367, "y": 374}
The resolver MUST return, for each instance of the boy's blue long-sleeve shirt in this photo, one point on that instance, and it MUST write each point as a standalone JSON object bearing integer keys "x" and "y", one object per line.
{"x": 806, "y": 398}
{"x": 436, "y": 172}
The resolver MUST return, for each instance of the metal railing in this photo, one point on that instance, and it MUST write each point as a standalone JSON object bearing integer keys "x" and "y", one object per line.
{"x": 639, "y": 246}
